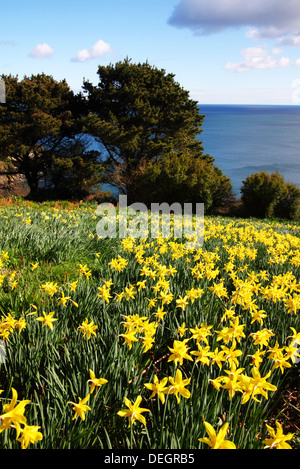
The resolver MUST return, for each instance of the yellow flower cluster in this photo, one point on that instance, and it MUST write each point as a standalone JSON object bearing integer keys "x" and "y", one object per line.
{"x": 8, "y": 324}
{"x": 88, "y": 328}
{"x": 214, "y": 307}
{"x": 118, "y": 264}
{"x": 218, "y": 440}
{"x": 10, "y": 277}
{"x": 250, "y": 295}
{"x": 139, "y": 329}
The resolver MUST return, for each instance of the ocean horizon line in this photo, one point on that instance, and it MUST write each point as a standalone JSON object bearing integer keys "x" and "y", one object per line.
{"x": 245, "y": 104}
{"x": 246, "y": 139}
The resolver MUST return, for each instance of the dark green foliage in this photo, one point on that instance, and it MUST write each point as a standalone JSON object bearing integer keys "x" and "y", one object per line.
{"x": 181, "y": 178}
{"x": 289, "y": 205}
{"x": 139, "y": 114}
{"x": 39, "y": 130}
{"x": 146, "y": 126}
{"x": 75, "y": 172}
{"x": 34, "y": 120}
{"x": 268, "y": 195}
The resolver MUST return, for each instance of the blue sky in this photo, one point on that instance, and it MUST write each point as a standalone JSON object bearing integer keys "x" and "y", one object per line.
{"x": 221, "y": 51}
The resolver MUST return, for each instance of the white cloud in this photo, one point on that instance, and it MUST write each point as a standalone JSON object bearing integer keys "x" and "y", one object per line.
{"x": 41, "y": 51}
{"x": 99, "y": 49}
{"x": 269, "y": 32}
{"x": 276, "y": 51}
{"x": 284, "y": 62}
{"x": 258, "y": 58}
{"x": 290, "y": 40}
{"x": 270, "y": 18}
{"x": 284, "y": 38}
{"x": 253, "y": 34}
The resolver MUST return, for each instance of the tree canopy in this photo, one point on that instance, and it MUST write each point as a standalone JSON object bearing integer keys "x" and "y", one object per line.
{"x": 144, "y": 123}
{"x": 139, "y": 114}
{"x": 39, "y": 120}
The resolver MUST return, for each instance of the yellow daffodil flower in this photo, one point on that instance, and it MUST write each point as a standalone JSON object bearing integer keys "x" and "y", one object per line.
{"x": 148, "y": 342}
{"x": 158, "y": 388}
{"x": 104, "y": 293}
{"x": 179, "y": 352}
{"x": 129, "y": 337}
{"x": 13, "y": 414}
{"x": 262, "y": 337}
{"x": 201, "y": 333}
{"x": 73, "y": 285}
{"x": 84, "y": 270}
{"x": 232, "y": 381}
{"x": 88, "y": 329}
{"x": 80, "y": 408}
{"x": 63, "y": 299}
{"x": 34, "y": 265}
{"x": 231, "y": 353}
{"x": 160, "y": 313}
{"x": 182, "y": 302}
{"x": 30, "y": 434}
{"x": 50, "y": 288}
{"x": 181, "y": 330}
{"x": 217, "y": 441}
{"x": 134, "y": 411}
{"x": 203, "y": 354}
{"x": 129, "y": 292}
{"x": 96, "y": 382}
{"x": 258, "y": 385}
{"x": 47, "y": 319}
{"x": 218, "y": 357}
{"x": 277, "y": 439}
{"x": 178, "y": 386}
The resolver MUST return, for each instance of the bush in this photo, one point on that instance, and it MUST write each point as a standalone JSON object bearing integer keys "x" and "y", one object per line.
{"x": 268, "y": 195}
{"x": 289, "y": 205}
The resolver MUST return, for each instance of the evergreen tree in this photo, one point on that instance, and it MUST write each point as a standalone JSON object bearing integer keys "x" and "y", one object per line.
{"x": 39, "y": 119}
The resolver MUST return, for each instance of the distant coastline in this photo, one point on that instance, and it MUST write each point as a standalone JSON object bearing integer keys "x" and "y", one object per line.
{"x": 250, "y": 138}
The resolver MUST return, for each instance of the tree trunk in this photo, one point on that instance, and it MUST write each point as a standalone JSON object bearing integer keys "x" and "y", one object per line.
{"x": 33, "y": 183}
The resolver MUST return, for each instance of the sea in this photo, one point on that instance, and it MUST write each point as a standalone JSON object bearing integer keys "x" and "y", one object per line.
{"x": 245, "y": 139}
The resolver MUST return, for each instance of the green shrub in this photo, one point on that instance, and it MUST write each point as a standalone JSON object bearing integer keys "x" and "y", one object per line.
{"x": 181, "y": 178}
{"x": 268, "y": 195}
{"x": 289, "y": 204}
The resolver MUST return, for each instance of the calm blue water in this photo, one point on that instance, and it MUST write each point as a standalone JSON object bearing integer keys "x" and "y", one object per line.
{"x": 248, "y": 139}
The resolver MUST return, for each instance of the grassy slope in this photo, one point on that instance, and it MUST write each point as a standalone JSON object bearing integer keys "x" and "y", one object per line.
{"x": 51, "y": 368}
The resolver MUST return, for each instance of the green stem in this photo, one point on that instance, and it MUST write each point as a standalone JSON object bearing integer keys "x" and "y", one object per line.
{"x": 163, "y": 421}
{"x": 131, "y": 435}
